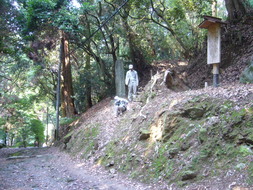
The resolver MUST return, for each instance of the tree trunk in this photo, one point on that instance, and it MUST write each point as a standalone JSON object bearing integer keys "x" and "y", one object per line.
{"x": 87, "y": 68}
{"x": 88, "y": 84}
{"x": 67, "y": 101}
{"x": 236, "y": 9}
{"x": 112, "y": 49}
{"x": 137, "y": 57}
{"x": 214, "y": 8}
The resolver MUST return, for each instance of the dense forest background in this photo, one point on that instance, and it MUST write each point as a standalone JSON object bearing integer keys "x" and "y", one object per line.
{"x": 77, "y": 43}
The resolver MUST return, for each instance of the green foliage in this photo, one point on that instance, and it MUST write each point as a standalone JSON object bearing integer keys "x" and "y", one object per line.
{"x": 22, "y": 124}
{"x": 68, "y": 20}
{"x": 152, "y": 95}
{"x": 247, "y": 74}
{"x": 27, "y": 82}
{"x": 2, "y": 121}
{"x": 85, "y": 141}
{"x": 88, "y": 78}
{"x": 181, "y": 19}
{"x": 244, "y": 151}
{"x": 2, "y": 136}
{"x": 37, "y": 12}
{"x": 24, "y": 134}
{"x": 250, "y": 173}
{"x": 111, "y": 150}
{"x": 38, "y": 128}
{"x": 162, "y": 165}
{"x": 66, "y": 120}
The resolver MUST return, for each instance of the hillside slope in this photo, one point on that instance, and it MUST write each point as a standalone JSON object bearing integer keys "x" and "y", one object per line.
{"x": 174, "y": 139}
{"x": 236, "y": 55}
{"x": 179, "y": 139}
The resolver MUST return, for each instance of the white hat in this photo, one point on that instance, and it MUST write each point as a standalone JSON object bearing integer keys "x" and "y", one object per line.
{"x": 131, "y": 66}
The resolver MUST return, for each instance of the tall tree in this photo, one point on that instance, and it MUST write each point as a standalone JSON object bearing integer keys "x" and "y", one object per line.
{"x": 41, "y": 15}
{"x": 236, "y": 9}
{"x": 135, "y": 50}
{"x": 67, "y": 101}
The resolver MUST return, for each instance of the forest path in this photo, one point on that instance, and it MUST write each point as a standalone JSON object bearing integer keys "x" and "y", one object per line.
{"x": 49, "y": 168}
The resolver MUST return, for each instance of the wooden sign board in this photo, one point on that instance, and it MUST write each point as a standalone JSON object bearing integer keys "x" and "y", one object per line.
{"x": 213, "y": 25}
{"x": 214, "y": 44}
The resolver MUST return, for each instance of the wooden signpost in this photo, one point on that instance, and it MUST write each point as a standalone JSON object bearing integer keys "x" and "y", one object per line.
{"x": 213, "y": 25}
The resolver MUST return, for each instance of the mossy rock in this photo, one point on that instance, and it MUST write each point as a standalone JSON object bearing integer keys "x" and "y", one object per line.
{"x": 194, "y": 113}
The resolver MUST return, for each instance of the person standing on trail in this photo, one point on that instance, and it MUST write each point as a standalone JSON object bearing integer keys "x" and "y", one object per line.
{"x": 132, "y": 82}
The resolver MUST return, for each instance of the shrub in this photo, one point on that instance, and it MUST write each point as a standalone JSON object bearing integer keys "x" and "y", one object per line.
{"x": 37, "y": 128}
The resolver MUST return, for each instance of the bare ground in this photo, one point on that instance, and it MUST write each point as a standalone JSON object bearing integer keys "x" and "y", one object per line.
{"x": 49, "y": 168}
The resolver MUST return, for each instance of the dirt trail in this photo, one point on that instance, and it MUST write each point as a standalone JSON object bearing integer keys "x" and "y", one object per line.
{"x": 48, "y": 168}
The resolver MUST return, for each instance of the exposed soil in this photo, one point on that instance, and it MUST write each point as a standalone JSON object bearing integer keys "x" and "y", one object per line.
{"x": 49, "y": 168}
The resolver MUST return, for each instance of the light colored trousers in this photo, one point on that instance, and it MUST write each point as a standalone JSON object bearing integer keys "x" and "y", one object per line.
{"x": 132, "y": 89}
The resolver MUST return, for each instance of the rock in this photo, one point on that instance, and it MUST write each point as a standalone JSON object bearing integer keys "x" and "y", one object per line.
{"x": 185, "y": 146}
{"x": 110, "y": 164}
{"x": 112, "y": 171}
{"x": 188, "y": 175}
{"x": 144, "y": 134}
{"x": 194, "y": 113}
{"x": 206, "y": 172}
{"x": 19, "y": 157}
{"x": 240, "y": 188}
{"x": 139, "y": 160}
{"x": 173, "y": 152}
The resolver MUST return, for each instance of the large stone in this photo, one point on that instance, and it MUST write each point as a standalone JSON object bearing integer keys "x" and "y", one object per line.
{"x": 120, "y": 79}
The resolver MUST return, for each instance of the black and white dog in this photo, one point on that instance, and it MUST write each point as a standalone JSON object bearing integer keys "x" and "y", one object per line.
{"x": 120, "y": 105}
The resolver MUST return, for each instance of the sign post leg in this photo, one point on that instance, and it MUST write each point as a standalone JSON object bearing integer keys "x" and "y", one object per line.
{"x": 216, "y": 75}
